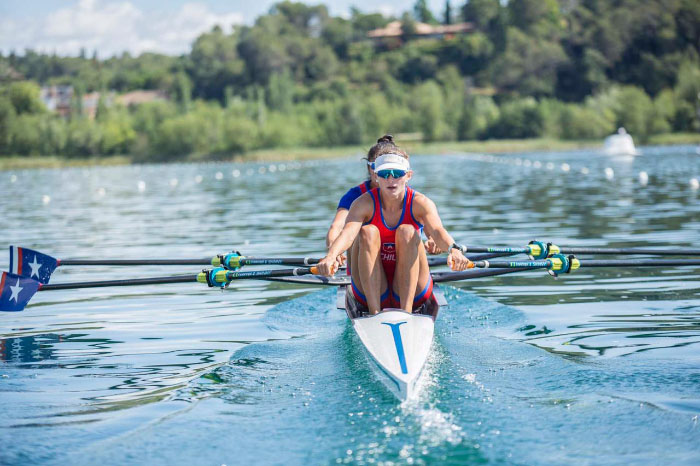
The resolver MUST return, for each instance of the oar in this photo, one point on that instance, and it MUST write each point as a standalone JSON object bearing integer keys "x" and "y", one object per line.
{"x": 541, "y": 250}
{"x": 40, "y": 266}
{"x": 16, "y": 291}
{"x": 559, "y": 263}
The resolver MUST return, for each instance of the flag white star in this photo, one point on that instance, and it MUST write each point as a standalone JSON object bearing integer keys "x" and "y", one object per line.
{"x": 15, "y": 292}
{"x": 35, "y": 267}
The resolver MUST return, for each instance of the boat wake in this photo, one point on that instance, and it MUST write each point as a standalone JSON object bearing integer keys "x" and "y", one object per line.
{"x": 483, "y": 398}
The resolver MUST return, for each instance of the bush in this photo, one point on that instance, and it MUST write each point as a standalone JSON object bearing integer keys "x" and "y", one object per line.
{"x": 240, "y": 134}
{"x": 84, "y": 138}
{"x": 478, "y": 115}
{"x": 26, "y": 135}
{"x": 518, "y": 119}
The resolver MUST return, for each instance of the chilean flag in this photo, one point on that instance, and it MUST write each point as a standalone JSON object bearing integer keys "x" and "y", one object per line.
{"x": 31, "y": 264}
{"x": 16, "y": 291}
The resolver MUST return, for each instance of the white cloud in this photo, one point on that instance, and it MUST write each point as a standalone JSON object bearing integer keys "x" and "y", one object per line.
{"x": 111, "y": 27}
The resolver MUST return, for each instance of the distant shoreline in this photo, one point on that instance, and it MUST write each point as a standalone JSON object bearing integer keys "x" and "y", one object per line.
{"x": 305, "y": 153}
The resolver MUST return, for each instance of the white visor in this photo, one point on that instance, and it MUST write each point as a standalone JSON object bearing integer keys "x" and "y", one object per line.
{"x": 391, "y": 161}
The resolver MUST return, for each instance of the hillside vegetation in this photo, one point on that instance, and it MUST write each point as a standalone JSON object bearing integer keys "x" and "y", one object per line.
{"x": 298, "y": 77}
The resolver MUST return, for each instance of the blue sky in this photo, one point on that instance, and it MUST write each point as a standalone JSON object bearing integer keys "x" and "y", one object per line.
{"x": 114, "y": 26}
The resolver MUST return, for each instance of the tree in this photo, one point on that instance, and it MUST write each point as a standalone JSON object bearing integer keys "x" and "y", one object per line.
{"x": 447, "y": 15}
{"x": 528, "y": 66}
{"x": 24, "y": 96}
{"x": 7, "y": 118}
{"x": 489, "y": 18}
{"x": 214, "y": 63}
{"x": 422, "y": 13}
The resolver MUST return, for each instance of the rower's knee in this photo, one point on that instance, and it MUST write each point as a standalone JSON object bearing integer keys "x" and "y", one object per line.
{"x": 369, "y": 235}
{"x": 407, "y": 234}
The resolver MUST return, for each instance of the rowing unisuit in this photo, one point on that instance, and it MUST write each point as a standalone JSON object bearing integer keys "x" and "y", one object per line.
{"x": 388, "y": 246}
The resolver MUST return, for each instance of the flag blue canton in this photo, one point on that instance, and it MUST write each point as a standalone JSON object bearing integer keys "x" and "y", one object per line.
{"x": 31, "y": 264}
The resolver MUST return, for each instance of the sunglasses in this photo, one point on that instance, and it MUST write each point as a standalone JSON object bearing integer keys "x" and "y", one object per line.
{"x": 396, "y": 173}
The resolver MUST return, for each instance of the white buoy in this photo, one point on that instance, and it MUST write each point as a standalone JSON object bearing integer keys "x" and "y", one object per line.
{"x": 585, "y": 171}
{"x": 609, "y": 173}
{"x": 249, "y": 172}
{"x": 141, "y": 186}
{"x": 272, "y": 168}
{"x": 45, "y": 198}
{"x": 643, "y": 178}
{"x": 173, "y": 182}
{"x": 101, "y": 192}
{"x": 13, "y": 179}
{"x": 565, "y": 167}
{"x": 262, "y": 170}
{"x": 550, "y": 166}
{"x": 198, "y": 179}
{"x": 219, "y": 176}
{"x": 537, "y": 164}
{"x": 694, "y": 184}
{"x": 236, "y": 173}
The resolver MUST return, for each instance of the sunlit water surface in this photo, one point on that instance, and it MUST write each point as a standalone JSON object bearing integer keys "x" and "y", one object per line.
{"x": 601, "y": 366}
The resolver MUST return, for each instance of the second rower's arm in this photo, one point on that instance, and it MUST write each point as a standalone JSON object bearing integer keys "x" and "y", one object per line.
{"x": 427, "y": 213}
{"x": 360, "y": 212}
{"x": 336, "y": 227}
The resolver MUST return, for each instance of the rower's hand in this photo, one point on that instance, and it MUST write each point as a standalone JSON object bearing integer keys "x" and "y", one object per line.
{"x": 431, "y": 247}
{"x": 327, "y": 266}
{"x": 457, "y": 261}
{"x": 341, "y": 259}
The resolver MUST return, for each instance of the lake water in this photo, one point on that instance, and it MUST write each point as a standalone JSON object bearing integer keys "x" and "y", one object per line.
{"x": 598, "y": 367}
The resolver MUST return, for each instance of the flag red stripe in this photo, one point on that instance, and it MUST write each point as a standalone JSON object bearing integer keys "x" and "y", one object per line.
{"x": 2, "y": 281}
{"x": 19, "y": 261}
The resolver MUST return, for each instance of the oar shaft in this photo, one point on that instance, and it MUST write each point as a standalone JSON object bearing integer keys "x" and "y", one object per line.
{"x": 119, "y": 262}
{"x": 640, "y": 251}
{"x": 297, "y": 271}
{"x": 535, "y": 248}
{"x": 641, "y": 263}
{"x": 125, "y": 282}
{"x": 547, "y": 263}
{"x": 439, "y": 277}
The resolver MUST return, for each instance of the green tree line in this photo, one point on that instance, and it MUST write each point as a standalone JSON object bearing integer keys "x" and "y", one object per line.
{"x": 301, "y": 77}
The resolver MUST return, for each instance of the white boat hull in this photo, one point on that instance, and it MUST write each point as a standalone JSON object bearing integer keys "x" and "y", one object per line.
{"x": 398, "y": 343}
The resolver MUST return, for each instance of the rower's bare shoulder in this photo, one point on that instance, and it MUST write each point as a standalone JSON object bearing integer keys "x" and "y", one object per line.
{"x": 363, "y": 204}
{"x": 423, "y": 203}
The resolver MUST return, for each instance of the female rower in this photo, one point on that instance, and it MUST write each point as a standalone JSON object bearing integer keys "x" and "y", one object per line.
{"x": 384, "y": 145}
{"x": 390, "y": 268}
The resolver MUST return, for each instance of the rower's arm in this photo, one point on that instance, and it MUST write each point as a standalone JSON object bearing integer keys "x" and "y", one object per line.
{"x": 360, "y": 212}
{"x": 427, "y": 214}
{"x": 336, "y": 226}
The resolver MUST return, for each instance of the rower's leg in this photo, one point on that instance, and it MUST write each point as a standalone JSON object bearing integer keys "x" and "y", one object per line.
{"x": 367, "y": 271}
{"x": 412, "y": 272}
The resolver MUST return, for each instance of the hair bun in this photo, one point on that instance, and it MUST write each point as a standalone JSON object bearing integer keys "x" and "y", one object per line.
{"x": 386, "y": 138}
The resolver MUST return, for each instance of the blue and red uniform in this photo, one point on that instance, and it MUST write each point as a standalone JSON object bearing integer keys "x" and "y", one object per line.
{"x": 388, "y": 249}
{"x": 352, "y": 194}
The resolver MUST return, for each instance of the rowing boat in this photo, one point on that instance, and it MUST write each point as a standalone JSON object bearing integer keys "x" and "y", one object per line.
{"x": 398, "y": 343}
